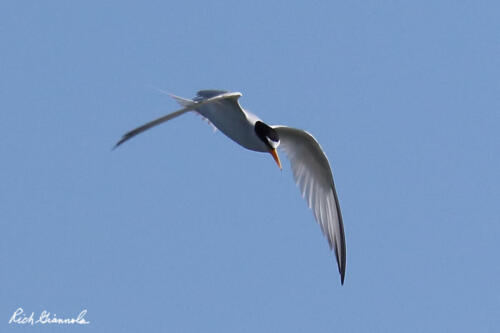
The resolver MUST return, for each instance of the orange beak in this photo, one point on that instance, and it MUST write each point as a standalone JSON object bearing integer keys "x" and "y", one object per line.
{"x": 274, "y": 153}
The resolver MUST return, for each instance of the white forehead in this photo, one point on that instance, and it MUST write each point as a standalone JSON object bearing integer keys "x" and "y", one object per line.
{"x": 272, "y": 143}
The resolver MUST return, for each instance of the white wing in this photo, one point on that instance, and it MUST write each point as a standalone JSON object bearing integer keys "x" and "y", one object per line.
{"x": 188, "y": 105}
{"x": 313, "y": 176}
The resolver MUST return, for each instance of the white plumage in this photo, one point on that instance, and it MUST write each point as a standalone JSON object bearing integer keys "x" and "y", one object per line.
{"x": 309, "y": 163}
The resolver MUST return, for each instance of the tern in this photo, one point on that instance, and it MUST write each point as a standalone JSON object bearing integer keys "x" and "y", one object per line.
{"x": 309, "y": 164}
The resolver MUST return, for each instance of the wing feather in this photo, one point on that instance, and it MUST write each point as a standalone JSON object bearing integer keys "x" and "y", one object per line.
{"x": 313, "y": 176}
{"x": 188, "y": 105}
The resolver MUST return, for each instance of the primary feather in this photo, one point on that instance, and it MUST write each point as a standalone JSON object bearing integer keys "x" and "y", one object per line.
{"x": 313, "y": 176}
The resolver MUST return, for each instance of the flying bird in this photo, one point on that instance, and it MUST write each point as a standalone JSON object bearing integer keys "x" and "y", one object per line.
{"x": 310, "y": 167}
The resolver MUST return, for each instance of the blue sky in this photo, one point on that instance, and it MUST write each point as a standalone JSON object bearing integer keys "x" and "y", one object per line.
{"x": 181, "y": 230}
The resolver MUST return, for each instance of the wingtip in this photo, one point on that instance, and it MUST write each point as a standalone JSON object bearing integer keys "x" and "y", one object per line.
{"x": 116, "y": 145}
{"x": 342, "y": 273}
{"x": 122, "y": 140}
{"x": 341, "y": 266}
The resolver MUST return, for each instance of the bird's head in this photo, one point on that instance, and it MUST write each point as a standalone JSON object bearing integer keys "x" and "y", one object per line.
{"x": 271, "y": 139}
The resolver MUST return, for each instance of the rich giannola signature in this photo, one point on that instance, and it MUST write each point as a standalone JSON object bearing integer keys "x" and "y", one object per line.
{"x": 22, "y": 318}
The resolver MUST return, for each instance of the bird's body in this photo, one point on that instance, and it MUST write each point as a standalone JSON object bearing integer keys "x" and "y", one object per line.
{"x": 309, "y": 164}
{"x": 231, "y": 119}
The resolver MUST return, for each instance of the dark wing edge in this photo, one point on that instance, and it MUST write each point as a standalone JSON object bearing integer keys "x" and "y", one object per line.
{"x": 188, "y": 106}
{"x": 313, "y": 176}
{"x": 130, "y": 134}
